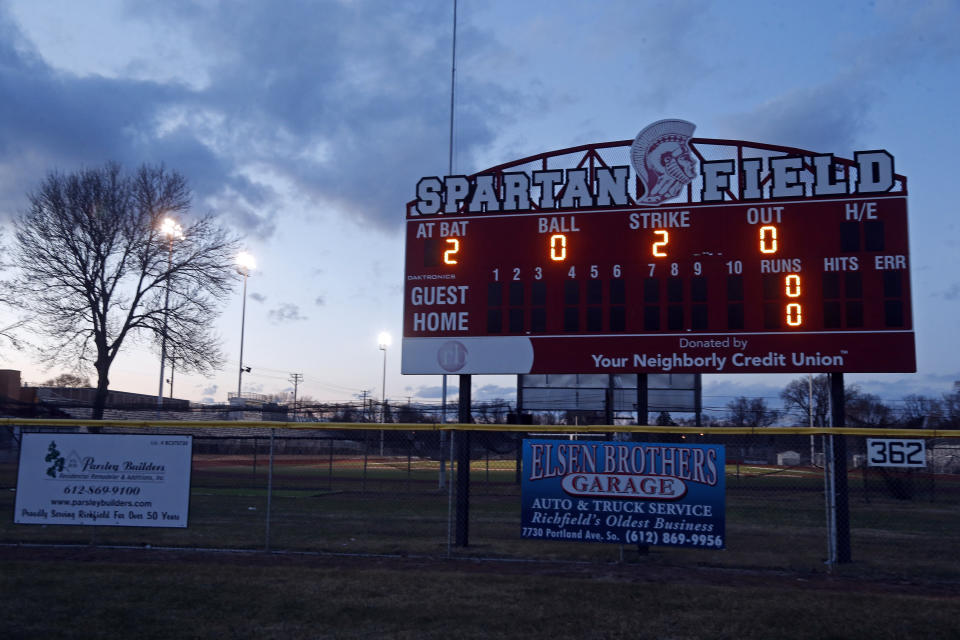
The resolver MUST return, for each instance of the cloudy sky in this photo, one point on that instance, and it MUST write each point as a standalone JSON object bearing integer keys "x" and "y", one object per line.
{"x": 306, "y": 125}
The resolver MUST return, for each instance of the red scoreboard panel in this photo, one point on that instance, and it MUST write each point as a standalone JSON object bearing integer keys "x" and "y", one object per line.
{"x": 809, "y": 285}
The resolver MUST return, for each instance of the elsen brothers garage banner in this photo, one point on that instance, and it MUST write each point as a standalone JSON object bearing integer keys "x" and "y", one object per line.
{"x": 104, "y": 479}
{"x": 624, "y": 492}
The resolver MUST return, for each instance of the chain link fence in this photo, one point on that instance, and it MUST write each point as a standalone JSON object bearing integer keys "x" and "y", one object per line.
{"x": 360, "y": 489}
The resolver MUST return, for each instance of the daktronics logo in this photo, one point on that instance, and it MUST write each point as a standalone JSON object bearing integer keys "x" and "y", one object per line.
{"x": 617, "y": 485}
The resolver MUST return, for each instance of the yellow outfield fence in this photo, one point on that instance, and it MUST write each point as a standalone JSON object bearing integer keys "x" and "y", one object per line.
{"x": 515, "y": 428}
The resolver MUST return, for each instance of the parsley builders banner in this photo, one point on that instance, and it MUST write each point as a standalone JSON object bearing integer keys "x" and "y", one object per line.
{"x": 624, "y": 492}
{"x": 101, "y": 479}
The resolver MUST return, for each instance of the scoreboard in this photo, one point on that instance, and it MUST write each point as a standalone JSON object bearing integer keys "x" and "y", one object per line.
{"x": 788, "y": 285}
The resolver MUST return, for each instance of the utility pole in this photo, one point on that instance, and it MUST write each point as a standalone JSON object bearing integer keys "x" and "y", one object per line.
{"x": 296, "y": 379}
{"x": 364, "y": 395}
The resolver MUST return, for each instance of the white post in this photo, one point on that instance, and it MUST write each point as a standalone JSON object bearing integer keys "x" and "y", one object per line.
{"x": 443, "y": 434}
{"x": 243, "y": 323}
{"x": 172, "y": 231}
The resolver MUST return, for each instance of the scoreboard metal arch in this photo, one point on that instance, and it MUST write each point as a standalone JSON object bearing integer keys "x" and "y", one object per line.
{"x": 569, "y": 263}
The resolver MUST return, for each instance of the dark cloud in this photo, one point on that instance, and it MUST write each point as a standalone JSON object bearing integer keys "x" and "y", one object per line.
{"x": 719, "y": 390}
{"x": 836, "y": 113}
{"x": 58, "y": 121}
{"x": 258, "y": 297}
{"x": 893, "y": 388}
{"x": 829, "y": 117}
{"x": 920, "y": 33}
{"x": 319, "y": 301}
{"x": 485, "y": 392}
{"x": 478, "y": 393}
{"x": 661, "y": 48}
{"x": 209, "y": 394}
{"x": 346, "y": 102}
{"x": 436, "y": 392}
{"x": 950, "y": 293}
{"x": 286, "y": 312}
{"x": 494, "y": 392}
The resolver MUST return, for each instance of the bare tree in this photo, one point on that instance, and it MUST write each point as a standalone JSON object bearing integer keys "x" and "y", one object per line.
{"x": 664, "y": 420}
{"x": 920, "y": 411}
{"x": 67, "y": 380}
{"x": 691, "y": 421}
{"x": 796, "y": 397}
{"x": 93, "y": 268}
{"x": 951, "y": 407}
{"x": 750, "y": 412}
{"x": 867, "y": 410}
{"x": 8, "y": 333}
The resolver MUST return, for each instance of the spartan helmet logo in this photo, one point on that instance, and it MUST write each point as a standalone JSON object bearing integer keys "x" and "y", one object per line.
{"x": 662, "y": 159}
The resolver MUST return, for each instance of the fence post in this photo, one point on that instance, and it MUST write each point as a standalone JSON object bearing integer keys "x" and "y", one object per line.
{"x": 450, "y": 483}
{"x": 441, "y": 477}
{"x": 840, "y": 489}
{"x": 443, "y": 437}
{"x": 643, "y": 399}
{"x": 463, "y": 466}
{"x": 518, "y": 473}
{"x": 830, "y": 502}
{"x": 269, "y": 491}
{"x": 366, "y": 448}
{"x": 488, "y": 465}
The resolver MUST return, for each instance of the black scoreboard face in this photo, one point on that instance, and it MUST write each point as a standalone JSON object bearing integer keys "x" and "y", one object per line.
{"x": 806, "y": 285}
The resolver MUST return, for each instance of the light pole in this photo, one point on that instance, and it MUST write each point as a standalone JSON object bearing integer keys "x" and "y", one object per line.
{"x": 245, "y": 263}
{"x": 384, "y": 340}
{"x": 172, "y": 231}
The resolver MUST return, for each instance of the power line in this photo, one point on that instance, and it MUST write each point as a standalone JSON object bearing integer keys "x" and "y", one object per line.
{"x": 314, "y": 380}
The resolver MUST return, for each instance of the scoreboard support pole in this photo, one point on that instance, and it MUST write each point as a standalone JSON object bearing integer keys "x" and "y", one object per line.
{"x": 643, "y": 399}
{"x": 839, "y": 451}
{"x": 463, "y": 465}
{"x": 698, "y": 398}
{"x": 608, "y": 404}
{"x": 519, "y": 473}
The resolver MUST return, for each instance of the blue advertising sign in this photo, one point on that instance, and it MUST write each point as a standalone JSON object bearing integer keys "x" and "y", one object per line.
{"x": 663, "y": 494}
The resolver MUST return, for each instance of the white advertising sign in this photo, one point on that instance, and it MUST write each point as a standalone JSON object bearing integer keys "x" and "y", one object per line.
{"x": 104, "y": 479}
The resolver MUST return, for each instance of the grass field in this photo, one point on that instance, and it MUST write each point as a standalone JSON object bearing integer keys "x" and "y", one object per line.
{"x": 101, "y": 593}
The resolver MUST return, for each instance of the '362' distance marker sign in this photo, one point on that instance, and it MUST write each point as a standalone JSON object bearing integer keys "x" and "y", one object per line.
{"x": 891, "y": 452}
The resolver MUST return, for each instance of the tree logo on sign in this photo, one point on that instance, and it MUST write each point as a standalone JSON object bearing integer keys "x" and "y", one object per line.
{"x": 54, "y": 456}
